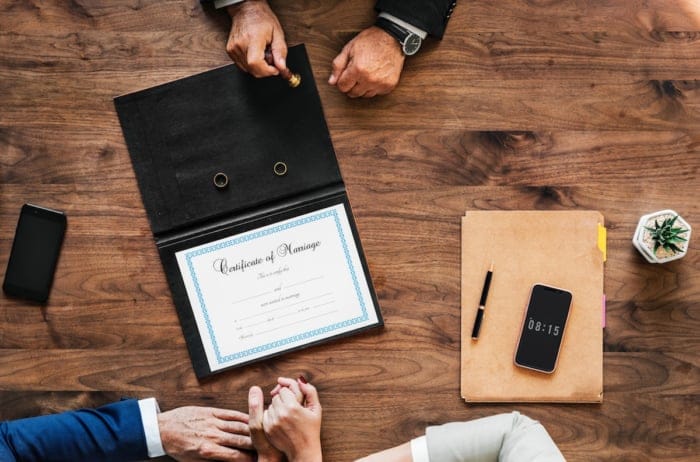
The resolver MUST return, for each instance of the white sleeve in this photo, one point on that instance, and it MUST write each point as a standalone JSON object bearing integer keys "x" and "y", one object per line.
{"x": 149, "y": 411}
{"x": 499, "y": 438}
{"x": 223, "y": 3}
{"x": 420, "y": 32}
{"x": 419, "y": 450}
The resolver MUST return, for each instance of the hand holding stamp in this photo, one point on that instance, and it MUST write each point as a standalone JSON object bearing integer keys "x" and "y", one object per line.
{"x": 293, "y": 79}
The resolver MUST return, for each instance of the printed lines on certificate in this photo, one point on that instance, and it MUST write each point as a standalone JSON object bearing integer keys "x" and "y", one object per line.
{"x": 290, "y": 304}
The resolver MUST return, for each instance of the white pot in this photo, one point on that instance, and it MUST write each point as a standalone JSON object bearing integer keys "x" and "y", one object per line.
{"x": 643, "y": 243}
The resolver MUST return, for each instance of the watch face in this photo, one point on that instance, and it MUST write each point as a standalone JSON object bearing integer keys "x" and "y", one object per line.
{"x": 412, "y": 44}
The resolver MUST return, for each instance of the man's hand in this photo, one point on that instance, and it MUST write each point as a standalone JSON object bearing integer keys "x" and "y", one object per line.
{"x": 195, "y": 434}
{"x": 266, "y": 451}
{"x": 370, "y": 64}
{"x": 254, "y": 26}
{"x": 295, "y": 428}
{"x": 293, "y": 386}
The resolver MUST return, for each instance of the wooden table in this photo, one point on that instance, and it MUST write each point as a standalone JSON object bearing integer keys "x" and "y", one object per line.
{"x": 524, "y": 105}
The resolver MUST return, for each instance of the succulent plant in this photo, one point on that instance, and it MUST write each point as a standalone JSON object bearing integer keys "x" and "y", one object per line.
{"x": 666, "y": 236}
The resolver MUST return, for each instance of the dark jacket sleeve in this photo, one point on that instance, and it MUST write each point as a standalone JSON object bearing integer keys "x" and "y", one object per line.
{"x": 111, "y": 433}
{"x": 429, "y": 15}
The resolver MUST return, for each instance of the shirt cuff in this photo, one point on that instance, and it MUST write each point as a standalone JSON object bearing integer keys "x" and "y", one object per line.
{"x": 224, "y": 3}
{"x": 419, "y": 449}
{"x": 420, "y": 32}
{"x": 149, "y": 411}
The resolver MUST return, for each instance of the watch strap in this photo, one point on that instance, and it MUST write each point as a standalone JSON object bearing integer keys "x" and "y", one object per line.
{"x": 396, "y": 31}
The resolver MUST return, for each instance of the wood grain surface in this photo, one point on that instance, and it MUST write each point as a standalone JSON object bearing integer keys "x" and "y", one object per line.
{"x": 551, "y": 105}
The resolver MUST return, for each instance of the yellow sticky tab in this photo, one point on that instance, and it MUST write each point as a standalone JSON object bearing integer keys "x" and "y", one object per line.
{"x": 602, "y": 240}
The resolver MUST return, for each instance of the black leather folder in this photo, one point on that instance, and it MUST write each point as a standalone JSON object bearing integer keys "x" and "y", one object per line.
{"x": 269, "y": 140}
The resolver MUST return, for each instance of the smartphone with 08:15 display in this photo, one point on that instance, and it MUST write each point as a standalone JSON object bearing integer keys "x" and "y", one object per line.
{"x": 34, "y": 254}
{"x": 543, "y": 328}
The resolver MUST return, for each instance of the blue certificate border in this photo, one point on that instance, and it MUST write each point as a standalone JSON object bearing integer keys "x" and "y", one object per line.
{"x": 325, "y": 214}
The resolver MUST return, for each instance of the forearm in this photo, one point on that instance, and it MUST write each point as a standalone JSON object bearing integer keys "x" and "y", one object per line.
{"x": 401, "y": 453}
{"x": 504, "y": 437}
{"x": 314, "y": 457}
{"x": 110, "y": 433}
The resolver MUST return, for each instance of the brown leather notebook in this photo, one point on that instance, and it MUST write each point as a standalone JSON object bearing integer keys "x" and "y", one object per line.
{"x": 564, "y": 249}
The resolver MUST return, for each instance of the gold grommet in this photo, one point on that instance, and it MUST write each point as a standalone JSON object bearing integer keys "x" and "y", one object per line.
{"x": 220, "y": 180}
{"x": 280, "y": 168}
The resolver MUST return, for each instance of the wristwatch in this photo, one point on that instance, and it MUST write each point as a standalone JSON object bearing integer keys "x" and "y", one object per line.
{"x": 409, "y": 41}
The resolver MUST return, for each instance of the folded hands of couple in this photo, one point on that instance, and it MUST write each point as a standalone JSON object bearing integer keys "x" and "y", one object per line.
{"x": 289, "y": 428}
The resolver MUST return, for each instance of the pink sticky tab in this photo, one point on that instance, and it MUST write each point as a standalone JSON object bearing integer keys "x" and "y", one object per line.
{"x": 605, "y": 303}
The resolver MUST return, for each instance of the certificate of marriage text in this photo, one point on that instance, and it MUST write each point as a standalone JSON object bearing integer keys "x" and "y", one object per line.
{"x": 277, "y": 288}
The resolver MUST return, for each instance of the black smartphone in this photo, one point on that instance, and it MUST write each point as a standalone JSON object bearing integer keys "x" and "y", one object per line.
{"x": 543, "y": 328}
{"x": 34, "y": 253}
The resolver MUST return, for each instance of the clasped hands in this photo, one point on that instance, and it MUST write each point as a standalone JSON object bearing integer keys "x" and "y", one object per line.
{"x": 290, "y": 427}
{"x": 370, "y": 64}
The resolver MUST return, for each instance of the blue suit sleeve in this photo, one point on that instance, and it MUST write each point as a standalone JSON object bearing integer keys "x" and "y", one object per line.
{"x": 111, "y": 433}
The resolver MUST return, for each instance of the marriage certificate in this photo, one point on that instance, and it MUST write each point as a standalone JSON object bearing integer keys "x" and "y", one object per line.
{"x": 277, "y": 288}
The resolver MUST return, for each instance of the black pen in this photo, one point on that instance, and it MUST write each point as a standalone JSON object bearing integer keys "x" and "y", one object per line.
{"x": 482, "y": 304}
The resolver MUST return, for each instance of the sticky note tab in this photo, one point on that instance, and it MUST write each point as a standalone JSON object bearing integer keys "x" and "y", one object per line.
{"x": 602, "y": 241}
{"x": 605, "y": 311}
